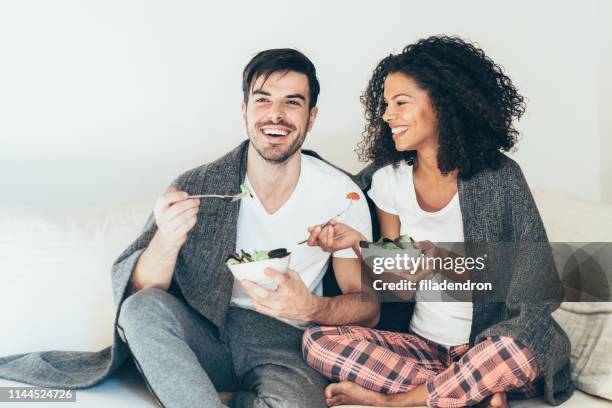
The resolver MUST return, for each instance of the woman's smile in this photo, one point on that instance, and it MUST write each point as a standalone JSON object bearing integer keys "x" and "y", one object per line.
{"x": 399, "y": 132}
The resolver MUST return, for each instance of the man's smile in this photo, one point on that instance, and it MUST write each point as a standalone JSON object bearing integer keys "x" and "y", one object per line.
{"x": 275, "y": 134}
{"x": 275, "y": 131}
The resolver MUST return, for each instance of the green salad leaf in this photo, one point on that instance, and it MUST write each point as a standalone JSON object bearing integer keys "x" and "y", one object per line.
{"x": 236, "y": 258}
{"x": 260, "y": 256}
{"x": 232, "y": 262}
{"x": 245, "y": 192}
{"x": 401, "y": 242}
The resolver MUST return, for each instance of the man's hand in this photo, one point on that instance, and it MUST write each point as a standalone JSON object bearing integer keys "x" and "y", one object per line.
{"x": 175, "y": 216}
{"x": 291, "y": 299}
{"x": 334, "y": 237}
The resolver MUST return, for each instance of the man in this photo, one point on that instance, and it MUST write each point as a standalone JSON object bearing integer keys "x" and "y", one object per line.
{"x": 191, "y": 328}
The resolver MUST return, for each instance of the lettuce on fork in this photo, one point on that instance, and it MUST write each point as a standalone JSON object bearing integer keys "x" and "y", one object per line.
{"x": 245, "y": 192}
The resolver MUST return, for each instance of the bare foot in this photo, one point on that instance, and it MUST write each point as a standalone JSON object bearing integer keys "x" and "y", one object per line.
{"x": 347, "y": 392}
{"x": 498, "y": 400}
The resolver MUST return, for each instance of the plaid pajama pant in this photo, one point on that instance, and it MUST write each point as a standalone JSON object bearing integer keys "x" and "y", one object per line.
{"x": 390, "y": 363}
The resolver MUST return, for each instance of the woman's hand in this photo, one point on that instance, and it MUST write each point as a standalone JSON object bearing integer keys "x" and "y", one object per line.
{"x": 334, "y": 236}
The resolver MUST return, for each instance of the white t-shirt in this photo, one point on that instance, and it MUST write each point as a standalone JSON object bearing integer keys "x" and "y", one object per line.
{"x": 446, "y": 323}
{"x": 319, "y": 195}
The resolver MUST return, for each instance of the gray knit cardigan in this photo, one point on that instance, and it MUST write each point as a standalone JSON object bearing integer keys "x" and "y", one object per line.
{"x": 496, "y": 206}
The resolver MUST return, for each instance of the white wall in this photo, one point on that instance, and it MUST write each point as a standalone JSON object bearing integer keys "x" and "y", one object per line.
{"x": 605, "y": 96}
{"x": 104, "y": 103}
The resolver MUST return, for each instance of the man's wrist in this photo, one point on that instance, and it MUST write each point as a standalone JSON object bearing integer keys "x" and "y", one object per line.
{"x": 317, "y": 305}
{"x": 161, "y": 248}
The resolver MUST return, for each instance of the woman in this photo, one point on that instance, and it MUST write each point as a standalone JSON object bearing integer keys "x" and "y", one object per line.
{"x": 441, "y": 113}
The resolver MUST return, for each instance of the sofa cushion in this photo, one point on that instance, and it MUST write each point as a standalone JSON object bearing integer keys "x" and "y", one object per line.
{"x": 589, "y": 328}
{"x": 56, "y": 276}
{"x": 587, "y": 324}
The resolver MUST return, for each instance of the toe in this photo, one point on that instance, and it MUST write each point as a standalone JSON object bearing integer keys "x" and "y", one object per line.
{"x": 336, "y": 400}
{"x": 330, "y": 390}
{"x": 498, "y": 400}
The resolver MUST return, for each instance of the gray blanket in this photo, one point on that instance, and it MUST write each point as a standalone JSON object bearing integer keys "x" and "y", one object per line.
{"x": 496, "y": 206}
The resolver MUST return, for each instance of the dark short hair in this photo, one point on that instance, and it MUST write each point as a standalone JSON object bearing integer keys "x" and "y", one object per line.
{"x": 475, "y": 102}
{"x": 280, "y": 60}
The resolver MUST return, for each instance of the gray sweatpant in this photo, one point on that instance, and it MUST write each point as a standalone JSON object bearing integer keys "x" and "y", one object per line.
{"x": 184, "y": 363}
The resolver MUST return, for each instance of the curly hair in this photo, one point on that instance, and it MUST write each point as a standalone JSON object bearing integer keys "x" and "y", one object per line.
{"x": 474, "y": 101}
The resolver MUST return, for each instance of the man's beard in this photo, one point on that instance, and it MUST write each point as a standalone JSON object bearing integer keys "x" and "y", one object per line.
{"x": 276, "y": 154}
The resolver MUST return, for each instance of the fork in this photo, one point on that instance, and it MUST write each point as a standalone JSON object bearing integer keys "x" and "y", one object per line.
{"x": 330, "y": 220}
{"x": 231, "y": 198}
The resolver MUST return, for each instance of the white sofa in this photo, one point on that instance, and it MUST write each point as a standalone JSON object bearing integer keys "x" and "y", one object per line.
{"x": 56, "y": 291}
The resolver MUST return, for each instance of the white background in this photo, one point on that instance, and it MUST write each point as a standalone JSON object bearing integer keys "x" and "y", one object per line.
{"x": 103, "y": 103}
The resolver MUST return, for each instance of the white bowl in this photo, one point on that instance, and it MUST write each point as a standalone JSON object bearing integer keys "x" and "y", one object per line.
{"x": 254, "y": 271}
